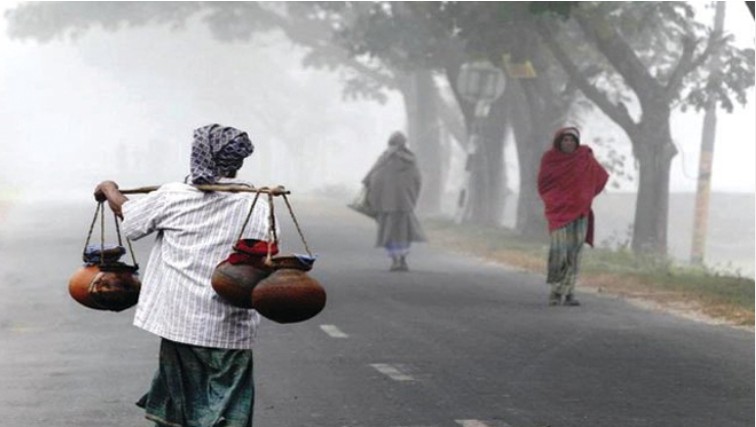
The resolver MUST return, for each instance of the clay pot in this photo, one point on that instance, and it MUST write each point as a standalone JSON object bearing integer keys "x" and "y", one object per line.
{"x": 288, "y": 295}
{"x": 235, "y": 282}
{"x": 113, "y": 289}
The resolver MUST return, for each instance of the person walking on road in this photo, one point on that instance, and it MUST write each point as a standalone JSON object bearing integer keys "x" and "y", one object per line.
{"x": 393, "y": 186}
{"x": 568, "y": 180}
{"x": 205, "y": 373}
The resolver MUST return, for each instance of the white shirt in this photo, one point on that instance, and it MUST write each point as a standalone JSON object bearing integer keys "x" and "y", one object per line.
{"x": 195, "y": 231}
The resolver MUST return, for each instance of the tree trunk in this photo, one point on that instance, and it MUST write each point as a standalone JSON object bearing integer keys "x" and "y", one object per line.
{"x": 654, "y": 151}
{"x": 488, "y": 176}
{"x": 532, "y": 128}
{"x": 424, "y": 137}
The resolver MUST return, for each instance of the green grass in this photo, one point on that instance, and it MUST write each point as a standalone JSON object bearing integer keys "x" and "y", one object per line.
{"x": 721, "y": 295}
{"x": 729, "y": 290}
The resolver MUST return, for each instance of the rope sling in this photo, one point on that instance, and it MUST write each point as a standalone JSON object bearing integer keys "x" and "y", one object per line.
{"x": 105, "y": 283}
{"x": 100, "y": 212}
{"x": 272, "y": 235}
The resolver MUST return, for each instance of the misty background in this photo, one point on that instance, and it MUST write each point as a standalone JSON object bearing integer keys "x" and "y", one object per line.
{"x": 122, "y": 105}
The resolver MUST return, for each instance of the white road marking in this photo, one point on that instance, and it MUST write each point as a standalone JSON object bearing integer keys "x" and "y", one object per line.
{"x": 392, "y": 372}
{"x": 478, "y": 423}
{"x": 471, "y": 423}
{"x": 333, "y": 331}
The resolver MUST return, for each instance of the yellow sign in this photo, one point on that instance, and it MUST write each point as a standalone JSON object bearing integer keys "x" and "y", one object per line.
{"x": 523, "y": 70}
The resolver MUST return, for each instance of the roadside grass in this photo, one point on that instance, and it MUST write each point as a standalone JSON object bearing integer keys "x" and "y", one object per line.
{"x": 725, "y": 297}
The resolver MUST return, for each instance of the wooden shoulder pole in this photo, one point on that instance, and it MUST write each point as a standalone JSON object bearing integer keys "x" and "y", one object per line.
{"x": 275, "y": 191}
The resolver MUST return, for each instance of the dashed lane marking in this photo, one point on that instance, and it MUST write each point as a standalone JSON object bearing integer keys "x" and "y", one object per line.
{"x": 392, "y": 372}
{"x": 333, "y": 331}
{"x": 471, "y": 423}
{"x": 478, "y": 423}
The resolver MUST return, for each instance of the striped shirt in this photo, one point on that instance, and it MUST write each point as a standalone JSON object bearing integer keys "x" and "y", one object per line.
{"x": 195, "y": 231}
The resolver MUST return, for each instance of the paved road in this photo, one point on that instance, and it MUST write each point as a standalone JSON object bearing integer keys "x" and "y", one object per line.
{"x": 454, "y": 342}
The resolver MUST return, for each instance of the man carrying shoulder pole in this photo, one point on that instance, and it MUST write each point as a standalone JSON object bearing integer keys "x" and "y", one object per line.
{"x": 205, "y": 373}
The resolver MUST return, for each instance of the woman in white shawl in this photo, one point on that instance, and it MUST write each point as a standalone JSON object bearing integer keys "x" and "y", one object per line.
{"x": 393, "y": 185}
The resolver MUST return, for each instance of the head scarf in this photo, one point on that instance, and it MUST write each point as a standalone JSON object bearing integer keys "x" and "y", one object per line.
{"x": 217, "y": 151}
{"x": 397, "y": 139}
{"x": 397, "y": 148}
{"x": 570, "y": 130}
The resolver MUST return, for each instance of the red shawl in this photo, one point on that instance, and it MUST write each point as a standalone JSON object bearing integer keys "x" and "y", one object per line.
{"x": 567, "y": 183}
{"x": 250, "y": 251}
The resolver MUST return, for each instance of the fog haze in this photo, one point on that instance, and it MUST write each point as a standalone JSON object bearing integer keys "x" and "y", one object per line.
{"x": 122, "y": 105}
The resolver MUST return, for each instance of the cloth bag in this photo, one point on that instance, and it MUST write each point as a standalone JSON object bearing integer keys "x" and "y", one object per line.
{"x": 361, "y": 204}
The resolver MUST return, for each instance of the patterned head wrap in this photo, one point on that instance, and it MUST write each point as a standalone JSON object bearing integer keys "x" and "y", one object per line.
{"x": 217, "y": 151}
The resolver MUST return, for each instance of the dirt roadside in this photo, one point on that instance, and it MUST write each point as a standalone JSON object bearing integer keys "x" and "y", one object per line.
{"x": 630, "y": 289}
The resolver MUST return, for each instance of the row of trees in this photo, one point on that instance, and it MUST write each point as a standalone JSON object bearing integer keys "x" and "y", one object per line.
{"x": 635, "y": 61}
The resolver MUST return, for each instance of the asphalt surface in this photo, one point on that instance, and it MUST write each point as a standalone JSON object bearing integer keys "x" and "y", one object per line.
{"x": 453, "y": 342}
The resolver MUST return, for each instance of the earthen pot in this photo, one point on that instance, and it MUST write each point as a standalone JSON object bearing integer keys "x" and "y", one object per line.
{"x": 289, "y": 295}
{"x": 114, "y": 288}
{"x": 235, "y": 282}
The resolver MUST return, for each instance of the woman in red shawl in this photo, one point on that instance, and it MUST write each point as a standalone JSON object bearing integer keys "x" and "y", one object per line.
{"x": 568, "y": 180}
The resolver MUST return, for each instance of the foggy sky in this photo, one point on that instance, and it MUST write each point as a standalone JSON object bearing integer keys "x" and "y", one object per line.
{"x": 123, "y": 105}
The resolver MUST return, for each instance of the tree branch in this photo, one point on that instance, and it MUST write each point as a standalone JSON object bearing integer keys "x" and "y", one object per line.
{"x": 689, "y": 63}
{"x": 682, "y": 68}
{"x": 620, "y": 55}
{"x": 617, "y": 113}
{"x": 294, "y": 32}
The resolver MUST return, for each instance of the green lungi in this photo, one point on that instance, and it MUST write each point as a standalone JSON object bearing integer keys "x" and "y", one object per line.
{"x": 564, "y": 256}
{"x": 201, "y": 387}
